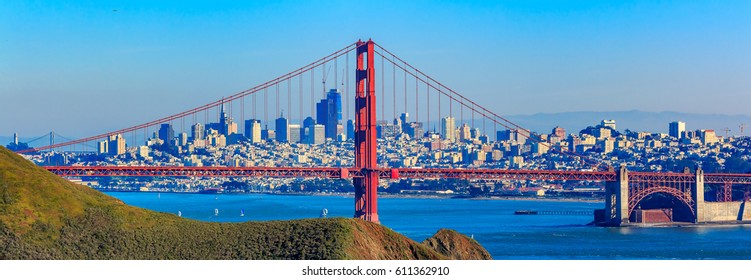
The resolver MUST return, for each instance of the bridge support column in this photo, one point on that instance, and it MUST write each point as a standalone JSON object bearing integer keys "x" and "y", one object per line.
{"x": 697, "y": 194}
{"x": 616, "y": 199}
{"x": 366, "y": 188}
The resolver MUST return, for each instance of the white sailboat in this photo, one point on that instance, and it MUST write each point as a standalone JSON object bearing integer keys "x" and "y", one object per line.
{"x": 242, "y": 212}
{"x": 216, "y": 212}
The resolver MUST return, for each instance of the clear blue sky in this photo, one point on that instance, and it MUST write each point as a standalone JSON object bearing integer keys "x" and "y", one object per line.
{"x": 80, "y": 68}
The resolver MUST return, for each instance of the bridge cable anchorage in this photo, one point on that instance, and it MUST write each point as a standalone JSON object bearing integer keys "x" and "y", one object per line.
{"x": 205, "y": 107}
{"x": 472, "y": 106}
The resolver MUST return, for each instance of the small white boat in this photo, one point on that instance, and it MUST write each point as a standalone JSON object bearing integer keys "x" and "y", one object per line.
{"x": 216, "y": 212}
{"x": 179, "y": 213}
{"x": 242, "y": 212}
{"x": 324, "y": 213}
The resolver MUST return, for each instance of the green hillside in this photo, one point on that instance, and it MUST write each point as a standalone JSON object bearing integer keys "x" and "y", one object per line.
{"x": 43, "y": 216}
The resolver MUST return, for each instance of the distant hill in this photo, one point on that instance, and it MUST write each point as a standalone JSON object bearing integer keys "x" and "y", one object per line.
{"x": 633, "y": 120}
{"x": 43, "y": 216}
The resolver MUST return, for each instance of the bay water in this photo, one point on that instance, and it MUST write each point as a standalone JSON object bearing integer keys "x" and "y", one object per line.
{"x": 491, "y": 222}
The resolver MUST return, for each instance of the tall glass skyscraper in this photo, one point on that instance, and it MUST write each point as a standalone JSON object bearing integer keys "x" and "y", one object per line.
{"x": 282, "y": 129}
{"x": 329, "y": 112}
{"x": 166, "y": 133}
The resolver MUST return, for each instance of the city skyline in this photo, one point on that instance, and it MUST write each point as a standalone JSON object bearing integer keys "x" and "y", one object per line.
{"x": 124, "y": 67}
{"x": 486, "y": 125}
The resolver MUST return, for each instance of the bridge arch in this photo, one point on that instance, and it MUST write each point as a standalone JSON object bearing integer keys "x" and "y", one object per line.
{"x": 684, "y": 197}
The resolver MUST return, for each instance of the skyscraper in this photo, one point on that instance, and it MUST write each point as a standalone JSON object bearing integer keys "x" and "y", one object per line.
{"x": 448, "y": 129}
{"x": 464, "y": 134}
{"x": 511, "y": 135}
{"x": 166, "y": 134}
{"x": 102, "y": 147}
{"x": 318, "y": 134}
{"x": 182, "y": 139}
{"x": 116, "y": 145}
{"x": 253, "y": 130}
{"x": 404, "y": 117}
{"x": 329, "y": 112}
{"x": 293, "y": 131}
{"x": 677, "y": 129}
{"x": 197, "y": 131}
{"x": 350, "y": 129}
{"x": 307, "y": 130}
{"x": 223, "y": 121}
{"x": 282, "y": 129}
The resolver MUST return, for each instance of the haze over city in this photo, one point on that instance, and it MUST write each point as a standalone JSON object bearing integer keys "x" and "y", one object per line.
{"x": 89, "y": 68}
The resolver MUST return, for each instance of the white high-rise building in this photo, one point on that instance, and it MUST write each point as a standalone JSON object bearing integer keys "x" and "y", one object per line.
{"x": 116, "y": 145}
{"x": 197, "y": 131}
{"x": 608, "y": 123}
{"x": 294, "y": 133}
{"x": 253, "y": 130}
{"x": 102, "y": 147}
{"x": 448, "y": 129}
{"x": 319, "y": 134}
{"x": 677, "y": 129}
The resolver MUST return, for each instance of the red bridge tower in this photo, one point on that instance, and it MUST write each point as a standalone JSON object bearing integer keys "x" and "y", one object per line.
{"x": 366, "y": 203}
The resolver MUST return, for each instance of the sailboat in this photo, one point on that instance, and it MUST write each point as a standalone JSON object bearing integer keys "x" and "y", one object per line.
{"x": 216, "y": 212}
{"x": 242, "y": 212}
{"x": 179, "y": 213}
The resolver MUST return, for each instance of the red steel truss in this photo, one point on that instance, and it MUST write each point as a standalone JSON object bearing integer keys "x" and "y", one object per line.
{"x": 394, "y": 174}
{"x": 186, "y": 171}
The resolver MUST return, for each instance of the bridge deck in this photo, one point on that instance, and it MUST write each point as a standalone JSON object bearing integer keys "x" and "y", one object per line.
{"x": 395, "y": 173}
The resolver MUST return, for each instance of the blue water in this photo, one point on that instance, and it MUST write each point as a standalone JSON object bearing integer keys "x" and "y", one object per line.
{"x": 490, "y": 222}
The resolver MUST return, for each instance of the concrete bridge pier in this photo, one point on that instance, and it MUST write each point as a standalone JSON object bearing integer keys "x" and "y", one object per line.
{"x": 697, "y": 194}
{"x": 616, "y": 199}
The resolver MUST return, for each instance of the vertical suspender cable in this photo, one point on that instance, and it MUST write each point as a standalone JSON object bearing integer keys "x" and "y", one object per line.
{"x": 383, "y": 93}
{"x": 393, "y": 81}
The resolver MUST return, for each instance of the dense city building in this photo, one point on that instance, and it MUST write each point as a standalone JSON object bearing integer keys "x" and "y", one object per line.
{"x": 253, "y": 130}
{"x": 282, "y": 129}
{"x": 448, "y": 129}
{"x": 677, "y": 129}
{"x": 166, "y": 134}
{"x": 329, "y": 113}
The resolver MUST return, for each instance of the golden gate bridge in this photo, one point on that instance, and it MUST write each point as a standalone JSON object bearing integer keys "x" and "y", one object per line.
{"x": 624, "y": 190}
